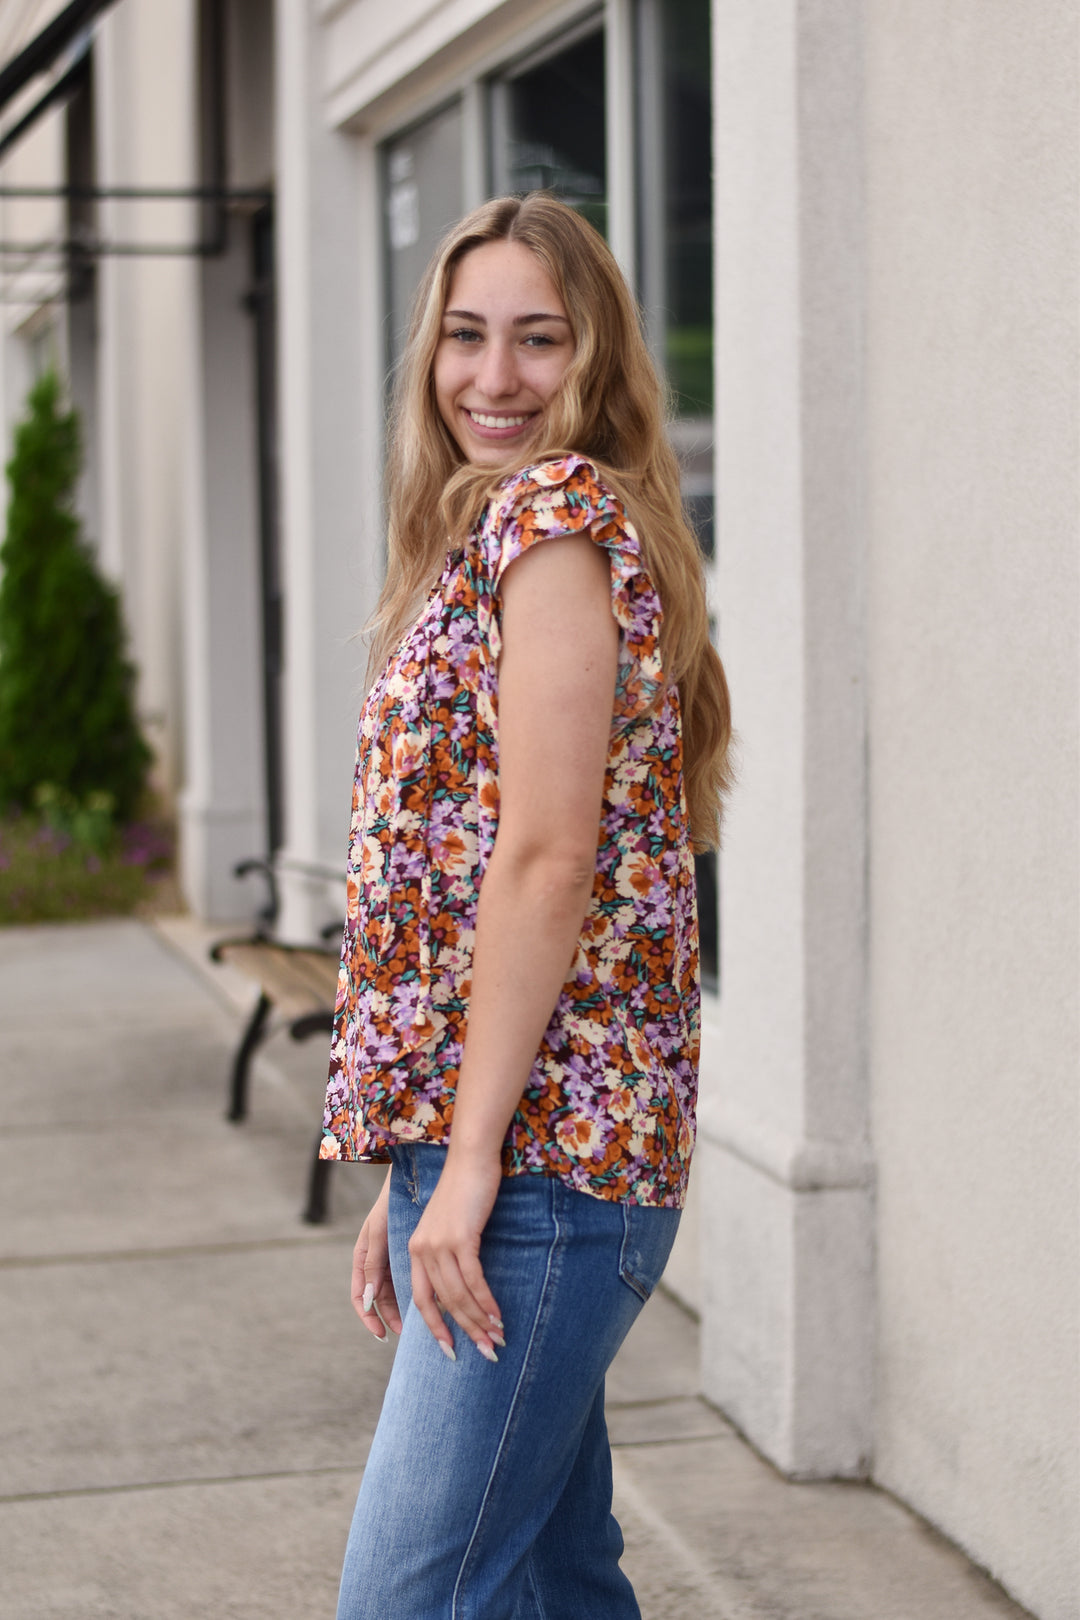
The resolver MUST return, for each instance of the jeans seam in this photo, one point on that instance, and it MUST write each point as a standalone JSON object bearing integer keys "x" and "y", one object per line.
{"x": 511, "y": 1410}
{"x": 626, "y": 1271}
{"x": 530, "y": 1571}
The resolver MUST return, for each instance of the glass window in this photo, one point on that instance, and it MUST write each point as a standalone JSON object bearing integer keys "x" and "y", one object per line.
{"x": 423, "y": 194}
{"x": 675, "y": 225}
{"x": 675, "y": 265}
{"x": 547, "y": 129}
{"x": 548, "y": 125}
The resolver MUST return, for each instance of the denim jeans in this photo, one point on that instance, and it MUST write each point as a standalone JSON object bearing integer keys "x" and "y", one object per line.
{"x": 487, "y": 1494}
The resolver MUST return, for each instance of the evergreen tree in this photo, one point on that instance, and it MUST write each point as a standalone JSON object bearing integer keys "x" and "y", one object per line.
{"x": 67, "y": 715}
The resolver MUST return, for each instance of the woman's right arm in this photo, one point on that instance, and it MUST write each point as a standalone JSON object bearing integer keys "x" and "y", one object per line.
{"x": 372, "y": 1284}
{"x": 557, "y": 675}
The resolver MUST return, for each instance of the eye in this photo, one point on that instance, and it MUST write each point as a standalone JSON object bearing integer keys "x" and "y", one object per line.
{"x": 464, "y": 334}
{"x": 540, "y": 340}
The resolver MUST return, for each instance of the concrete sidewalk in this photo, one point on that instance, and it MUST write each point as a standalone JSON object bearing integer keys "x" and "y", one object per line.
{"x": 186, "y": 1399}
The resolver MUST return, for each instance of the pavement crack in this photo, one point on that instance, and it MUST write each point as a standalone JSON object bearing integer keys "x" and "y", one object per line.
{"x": 180, "y": 1251}
{"x": 329, "y": 1470}
{"x": 665, "y": 1440}
{"x": 649, "y": 1402}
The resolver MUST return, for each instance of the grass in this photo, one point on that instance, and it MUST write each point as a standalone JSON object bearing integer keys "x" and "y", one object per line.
{"x": 48, "y": 876}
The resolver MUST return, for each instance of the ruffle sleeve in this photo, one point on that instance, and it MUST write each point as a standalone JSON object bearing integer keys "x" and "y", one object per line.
{"x": 567, "y": 497}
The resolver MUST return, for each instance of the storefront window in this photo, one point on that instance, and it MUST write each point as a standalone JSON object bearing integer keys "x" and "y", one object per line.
{"x": 674, "y": 165}
{"x": 548, "y": 128}
{"x": 675, "y": 211}
{"x": 423, "y": 194}
{"x": 675, "y": 219}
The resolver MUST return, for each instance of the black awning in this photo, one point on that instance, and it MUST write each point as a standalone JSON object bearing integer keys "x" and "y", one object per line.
{"x": 42, "y": 51}
{"x": 66, "y": 86}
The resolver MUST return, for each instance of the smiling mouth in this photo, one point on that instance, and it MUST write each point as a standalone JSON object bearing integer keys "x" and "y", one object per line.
{"x": 485, "y": 420}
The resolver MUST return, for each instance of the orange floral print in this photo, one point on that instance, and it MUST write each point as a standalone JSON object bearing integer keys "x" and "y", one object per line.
{"x": 609, "y": 1104}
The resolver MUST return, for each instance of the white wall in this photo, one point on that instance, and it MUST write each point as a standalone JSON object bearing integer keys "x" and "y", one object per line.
{"x": 223, "y": 804}
{"x": 329, "y": 363}
{"x": 972, "y": 511}
{"x": 145, "y": 99}
{"x": 222, "y": 807}
{"x": 783, "y": 1162}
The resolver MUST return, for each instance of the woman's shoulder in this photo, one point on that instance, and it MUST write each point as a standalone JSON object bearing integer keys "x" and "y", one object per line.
{"x": 555, "y": 498}
{"x": 560, "y": 493}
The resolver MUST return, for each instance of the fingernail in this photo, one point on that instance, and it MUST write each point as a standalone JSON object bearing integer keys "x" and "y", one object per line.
{"x": 499, "y": 1340}
{"x": 447, "y": 1349}
{"x": 487, "y": 1352}
{"x": 496, "y": 1323}
{"x": 369, "y": 1297}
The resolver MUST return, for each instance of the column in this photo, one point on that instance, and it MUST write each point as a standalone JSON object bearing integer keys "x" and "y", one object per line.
{"x": 785, "y": 1172}
{"x": 330, "y": 370}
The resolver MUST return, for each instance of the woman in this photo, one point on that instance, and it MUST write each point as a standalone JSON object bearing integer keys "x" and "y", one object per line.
{"x": 517, "y": 1026}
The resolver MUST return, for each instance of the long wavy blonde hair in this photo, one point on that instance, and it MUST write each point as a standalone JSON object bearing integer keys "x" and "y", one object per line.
{"x": 610, "y": 406}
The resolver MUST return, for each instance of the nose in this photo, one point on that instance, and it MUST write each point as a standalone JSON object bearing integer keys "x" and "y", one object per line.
{"x": 496, "y": 375}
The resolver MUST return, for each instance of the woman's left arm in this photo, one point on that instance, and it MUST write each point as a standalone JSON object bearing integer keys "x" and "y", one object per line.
{"x": 557, "y": 669}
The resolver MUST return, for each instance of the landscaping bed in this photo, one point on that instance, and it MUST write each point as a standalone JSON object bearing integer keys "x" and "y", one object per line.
{"x": 46, "y": 875}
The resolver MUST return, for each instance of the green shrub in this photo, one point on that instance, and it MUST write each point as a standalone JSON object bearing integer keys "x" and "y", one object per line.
{"x": 67, "y": 715}
{"x": 88, "y": 825}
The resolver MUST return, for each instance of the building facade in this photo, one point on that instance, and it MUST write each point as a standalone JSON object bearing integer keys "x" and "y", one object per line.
{"x": 853, "y": 230}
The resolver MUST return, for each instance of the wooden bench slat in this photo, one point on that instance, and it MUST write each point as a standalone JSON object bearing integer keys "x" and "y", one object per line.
{"x": 299, "y": 984}
{"x": 296, "y": 981}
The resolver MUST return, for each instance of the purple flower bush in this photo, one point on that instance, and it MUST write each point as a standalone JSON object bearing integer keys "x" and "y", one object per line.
{"x": 71, "y": 861}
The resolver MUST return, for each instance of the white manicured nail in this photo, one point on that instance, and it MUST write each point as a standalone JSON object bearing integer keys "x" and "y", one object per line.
{"x": 447, "y": 1349}
{"x": 369, "y": 1297}
{"x": 487, "y": 1352}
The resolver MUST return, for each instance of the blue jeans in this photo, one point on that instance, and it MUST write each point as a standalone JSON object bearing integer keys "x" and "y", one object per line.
{"x": 487, "y": 1494}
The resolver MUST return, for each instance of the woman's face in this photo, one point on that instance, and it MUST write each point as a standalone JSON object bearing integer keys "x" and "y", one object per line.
{"x": 505, "y": 345}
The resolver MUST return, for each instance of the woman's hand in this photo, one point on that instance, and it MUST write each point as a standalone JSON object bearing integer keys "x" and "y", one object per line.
{"x": 372, "y": 1284}
{"x": 445, "y": 1251}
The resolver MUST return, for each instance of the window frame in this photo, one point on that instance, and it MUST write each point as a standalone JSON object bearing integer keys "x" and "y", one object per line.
{"x": 629, "y": 170}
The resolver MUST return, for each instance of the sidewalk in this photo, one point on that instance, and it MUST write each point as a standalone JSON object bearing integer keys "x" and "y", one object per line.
{"x": 186, "y": 1399}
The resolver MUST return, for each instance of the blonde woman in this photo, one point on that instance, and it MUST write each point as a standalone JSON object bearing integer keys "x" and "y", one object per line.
{"x": 542, "y": 749}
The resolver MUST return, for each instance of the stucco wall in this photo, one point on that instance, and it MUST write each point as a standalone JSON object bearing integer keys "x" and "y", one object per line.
{"x": 972, "y": 486}
{"x": 783, "y": 1163}
{"x": 144, "y": 96}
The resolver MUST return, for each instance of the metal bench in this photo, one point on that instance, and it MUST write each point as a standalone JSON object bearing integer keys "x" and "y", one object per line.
{"x": 298, "y": 983}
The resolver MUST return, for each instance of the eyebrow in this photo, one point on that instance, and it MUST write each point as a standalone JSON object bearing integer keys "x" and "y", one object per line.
{"x": 520, "y": 320}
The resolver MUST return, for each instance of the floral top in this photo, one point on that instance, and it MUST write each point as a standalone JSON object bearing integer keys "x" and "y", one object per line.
{"x": 609, "y": 1104}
